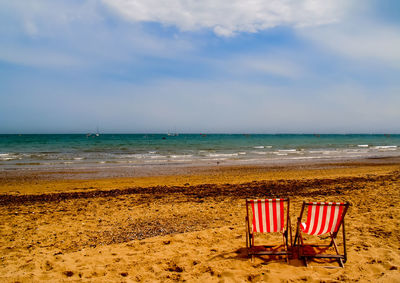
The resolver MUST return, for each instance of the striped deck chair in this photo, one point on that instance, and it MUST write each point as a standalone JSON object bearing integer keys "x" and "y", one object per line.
{"x": 268, "y": 215}
{"x": 322, "y": 218}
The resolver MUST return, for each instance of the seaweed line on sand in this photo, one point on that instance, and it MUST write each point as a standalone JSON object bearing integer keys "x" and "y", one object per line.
{"x": 279, "y": 188}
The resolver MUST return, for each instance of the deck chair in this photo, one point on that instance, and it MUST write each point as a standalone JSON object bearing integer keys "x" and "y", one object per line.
{"x": 268, "y": 215}
{"x": 322, "y": 218}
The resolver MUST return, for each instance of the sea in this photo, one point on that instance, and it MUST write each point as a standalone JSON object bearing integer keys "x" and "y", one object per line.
{"x": 64, "y": 151}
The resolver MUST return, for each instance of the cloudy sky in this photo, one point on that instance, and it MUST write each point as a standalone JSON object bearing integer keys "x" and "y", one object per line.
{"x": 231, "y": 66}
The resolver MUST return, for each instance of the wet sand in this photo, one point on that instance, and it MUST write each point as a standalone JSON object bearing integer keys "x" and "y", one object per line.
{"x": 187, "y": 224}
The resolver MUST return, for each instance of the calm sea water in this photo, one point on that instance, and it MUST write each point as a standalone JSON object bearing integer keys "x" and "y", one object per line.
{"x": 65, "y": 151}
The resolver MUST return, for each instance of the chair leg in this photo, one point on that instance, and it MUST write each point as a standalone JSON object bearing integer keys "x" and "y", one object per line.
{"x": 285, "y": 244}
{"x": 344, "y": 242}
{"x": 331, "y": 243}
{"x": 305, "y": 261}
{"x": 300, "y": 247}
{"x": 286, "y": 238}
{"x": 248, "y": 243}
{"x": 340, "y": 261}
{"x": 301, "y": 251}
{"x": 247, "y": 237}
{"x": 296, "y": 236}
{"x": 334, "y": 245}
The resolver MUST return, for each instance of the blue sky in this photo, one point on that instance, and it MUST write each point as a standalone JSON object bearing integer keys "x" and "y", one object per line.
{"x": 233, "y": 66}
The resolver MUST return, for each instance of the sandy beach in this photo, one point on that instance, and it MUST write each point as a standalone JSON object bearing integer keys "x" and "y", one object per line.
{"x": 187, "y": 224}
{"x": 141, "y": 141}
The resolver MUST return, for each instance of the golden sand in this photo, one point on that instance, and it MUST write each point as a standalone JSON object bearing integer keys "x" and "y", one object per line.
{"x": 189, "y": 226}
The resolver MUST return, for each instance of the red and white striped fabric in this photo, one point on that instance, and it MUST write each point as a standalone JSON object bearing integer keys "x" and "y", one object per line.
{"x": 268, "y": 215}
{"x": 323, "y": 217}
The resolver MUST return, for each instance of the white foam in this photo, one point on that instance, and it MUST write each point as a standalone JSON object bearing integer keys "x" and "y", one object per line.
{"x": 259, "y": 146}
{"x": 323, "y": 152}
{"x": 181, "y": 156}
{"x": 242, "y": 153}
{"x": 386, "y": 147}
{"x": 213, "y": 159}
{"x": 141, "y": 156}
{"x": 287, "y": 150}
{"x": 362, "y": 145}
{"x": 9, "y": 156}
{"x": 260, "y": 152}
{"x": 137, "y": 155}
{"x": 327, "y": 152}
{"x": 78, "y": 158}
{"x": 222, "y": 154}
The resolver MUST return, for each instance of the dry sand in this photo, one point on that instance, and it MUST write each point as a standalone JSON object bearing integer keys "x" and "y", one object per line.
{"x": 189, "y": 225}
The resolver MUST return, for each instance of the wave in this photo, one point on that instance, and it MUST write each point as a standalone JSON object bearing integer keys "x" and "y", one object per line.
{"x": 279, "y": 153}
{"x": 185, "y": 156}
{"x": 260, "y": 152}
{"x": 390, "y": 147}
{"x": 287, "y": 150}
{"x": 9, "y": 156}
{"x": 222, "y": 154}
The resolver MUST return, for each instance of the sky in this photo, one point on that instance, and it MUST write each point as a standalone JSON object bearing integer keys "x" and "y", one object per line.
{"x": 211, "y": 66}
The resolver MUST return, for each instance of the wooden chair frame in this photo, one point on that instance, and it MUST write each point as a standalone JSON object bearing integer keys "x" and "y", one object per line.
{"x": 298, "y": 240}
{"x": 250, "y": 235}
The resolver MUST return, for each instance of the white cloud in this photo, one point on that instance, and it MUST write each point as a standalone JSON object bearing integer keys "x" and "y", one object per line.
{"x": 75, "y": 34}
{"x": 31, "y": 28}
{"x": 273, "y": 64}
{"x": 37, "y": 57}
{"x": 227, "y": 17}
{"x": 359, "y": 41}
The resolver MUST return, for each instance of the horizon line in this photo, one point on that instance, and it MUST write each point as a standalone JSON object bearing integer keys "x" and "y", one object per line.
{"x": 207, "y": 133}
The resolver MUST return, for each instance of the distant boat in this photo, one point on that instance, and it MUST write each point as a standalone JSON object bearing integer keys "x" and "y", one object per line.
{"x": 172, "y": 134}
{"x": 97, "y": 134}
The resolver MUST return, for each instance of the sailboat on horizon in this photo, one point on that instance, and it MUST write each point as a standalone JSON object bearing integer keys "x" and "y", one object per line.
{"x": 97, "y": 134}
{"x": 173, "y": 134}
